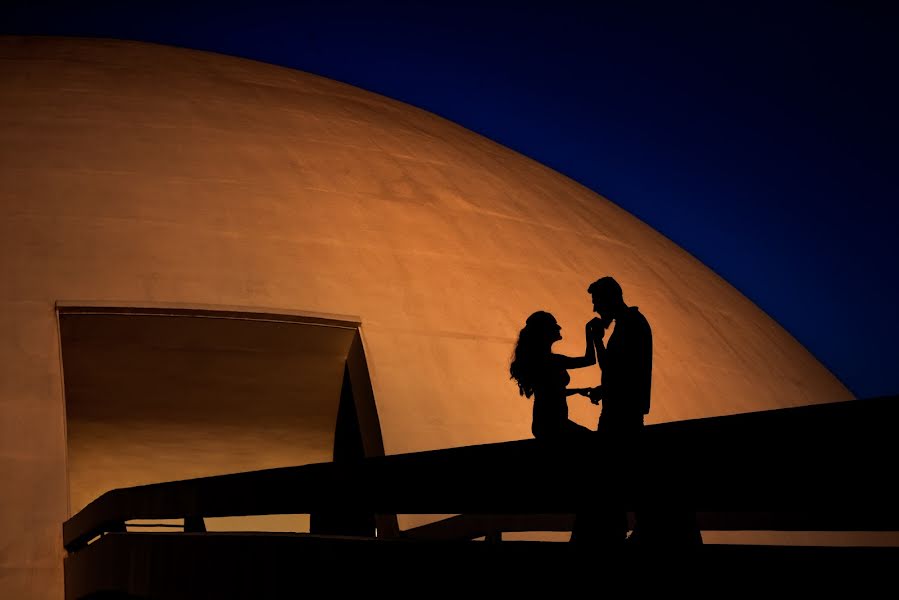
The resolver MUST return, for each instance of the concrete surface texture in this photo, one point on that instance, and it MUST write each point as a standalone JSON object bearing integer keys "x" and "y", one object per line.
{"x": 137, "y": 173}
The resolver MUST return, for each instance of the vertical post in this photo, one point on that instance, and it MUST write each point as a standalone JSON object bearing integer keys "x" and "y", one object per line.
{"x": 194, "y": 524}
{"x": 348, "y": 448}
{"x": 368, "y": 421}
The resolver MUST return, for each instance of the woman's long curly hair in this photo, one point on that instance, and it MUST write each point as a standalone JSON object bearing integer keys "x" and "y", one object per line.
{"x": 531, "y": 349}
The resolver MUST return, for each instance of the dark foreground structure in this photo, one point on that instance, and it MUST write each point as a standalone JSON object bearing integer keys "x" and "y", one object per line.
{"x": 818, "y": 468}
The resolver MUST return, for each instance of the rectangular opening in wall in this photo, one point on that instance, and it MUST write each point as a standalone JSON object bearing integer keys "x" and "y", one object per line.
{"x": 155, "y": 395}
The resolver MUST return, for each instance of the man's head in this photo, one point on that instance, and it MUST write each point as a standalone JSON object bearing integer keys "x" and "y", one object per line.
{"x": 607, "y": 297}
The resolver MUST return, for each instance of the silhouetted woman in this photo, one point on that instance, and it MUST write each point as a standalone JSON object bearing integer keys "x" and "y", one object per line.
{"x": 544, "y": 375}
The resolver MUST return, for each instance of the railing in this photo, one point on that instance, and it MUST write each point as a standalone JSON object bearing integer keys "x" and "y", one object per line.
{"x": 817, "y": 468}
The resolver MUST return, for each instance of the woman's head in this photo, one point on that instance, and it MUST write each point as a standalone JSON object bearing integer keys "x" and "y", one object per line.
{"x": 542, "y": 328}
{"x": 534, "y": 344}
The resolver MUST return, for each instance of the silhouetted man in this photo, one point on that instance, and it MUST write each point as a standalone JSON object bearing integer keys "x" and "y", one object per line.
{"x": 626, "y": 363}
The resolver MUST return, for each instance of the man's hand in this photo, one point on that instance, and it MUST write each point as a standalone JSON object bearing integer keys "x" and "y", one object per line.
{"x": 596, "y": 328}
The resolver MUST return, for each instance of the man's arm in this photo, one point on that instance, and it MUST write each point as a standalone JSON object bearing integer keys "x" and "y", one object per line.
{"x": 636, "y": 365}
{"x": 599, "y": 329}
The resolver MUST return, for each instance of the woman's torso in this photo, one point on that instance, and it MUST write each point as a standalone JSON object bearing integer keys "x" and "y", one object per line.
{"x": 550, "y": 405}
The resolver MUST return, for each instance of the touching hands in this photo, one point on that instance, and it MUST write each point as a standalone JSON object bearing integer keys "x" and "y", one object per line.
{"x": 594, "y": 394}
{"x": 596, "y": 328}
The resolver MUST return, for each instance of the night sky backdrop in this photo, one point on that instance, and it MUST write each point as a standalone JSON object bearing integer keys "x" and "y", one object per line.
{"x": 760, "y": 138}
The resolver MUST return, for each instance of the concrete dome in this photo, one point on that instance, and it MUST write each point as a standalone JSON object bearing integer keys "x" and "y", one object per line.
{"x": 139, "y": 173}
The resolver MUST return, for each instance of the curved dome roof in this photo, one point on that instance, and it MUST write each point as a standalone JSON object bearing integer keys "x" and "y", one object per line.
{"x": 139, "y": 173}
{"x": 142, "y": 172}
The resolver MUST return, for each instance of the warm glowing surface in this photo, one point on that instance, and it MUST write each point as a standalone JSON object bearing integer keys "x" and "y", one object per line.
{"x": 157, "y": 398}
{"x": 141, "y": 173}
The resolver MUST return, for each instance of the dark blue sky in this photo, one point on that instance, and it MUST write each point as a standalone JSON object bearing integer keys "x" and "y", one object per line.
{"x": 761, "y": 138}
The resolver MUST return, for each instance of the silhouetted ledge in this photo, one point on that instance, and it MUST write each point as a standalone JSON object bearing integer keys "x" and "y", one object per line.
{"x": 816, "y": 468}
{"x": 822, "y": 467}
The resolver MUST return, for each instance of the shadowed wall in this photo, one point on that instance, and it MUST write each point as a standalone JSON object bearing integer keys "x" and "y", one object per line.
{"x": 139, "y": 173}
{"x": 157, "y": 398}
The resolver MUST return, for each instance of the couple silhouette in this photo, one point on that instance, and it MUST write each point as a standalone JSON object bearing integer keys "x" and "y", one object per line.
{"x": 624, "y": 392}
{"x": 626, "y": 364}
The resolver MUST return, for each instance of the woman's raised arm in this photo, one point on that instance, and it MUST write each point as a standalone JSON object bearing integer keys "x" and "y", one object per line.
{"x": 589, "y": 357}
